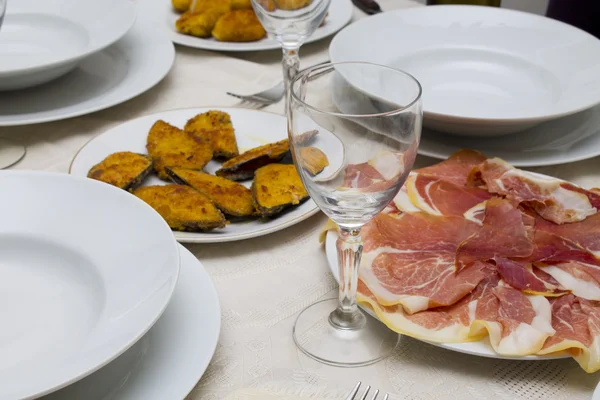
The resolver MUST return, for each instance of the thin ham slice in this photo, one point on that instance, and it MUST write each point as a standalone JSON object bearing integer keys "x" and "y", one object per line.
{"x": 553, "y": 199}
{"x": 585, "y": 233}
{"x": 409, "y": 260}
{"x": 505, "y": 232}
{"x": 456, "y": 168}
{"x": 577, "y": 325}
{"x": 450, "y": 324}
{"x": 439, "y": 197}
{"x": 527, "y": 278}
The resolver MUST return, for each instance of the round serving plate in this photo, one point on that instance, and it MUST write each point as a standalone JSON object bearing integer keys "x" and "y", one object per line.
{"x": 485, "y": 71}
{"x": 252, "y": 128}
{"x": 43, "y": 40}
{"x": 87, "y": 269}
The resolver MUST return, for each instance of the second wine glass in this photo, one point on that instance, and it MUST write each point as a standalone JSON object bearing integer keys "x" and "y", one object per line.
{"x": 290, "y": 22}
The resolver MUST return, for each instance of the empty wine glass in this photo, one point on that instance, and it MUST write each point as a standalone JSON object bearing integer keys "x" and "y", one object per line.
{"x": 10, "y": 152}
{"x": 354, "y": 129}
{"x": 290, "y": 22}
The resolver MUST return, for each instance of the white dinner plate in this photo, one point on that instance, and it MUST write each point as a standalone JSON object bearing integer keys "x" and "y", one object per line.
{"x": 340, "y": 13}
{"x": 252, "y": 129}
{"x": 481, "y": 348}
{"x": 86, "y": 268}
{"x": 564, "y": 140}
{"x": 140, "y": 60}
{"x": 485, "y": 71}
{"x": 42, "y": 40}
{"x": 170, "y": 359}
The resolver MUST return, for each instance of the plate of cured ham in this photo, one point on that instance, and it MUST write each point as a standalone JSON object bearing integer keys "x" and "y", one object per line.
{"x": 479, "y": 257}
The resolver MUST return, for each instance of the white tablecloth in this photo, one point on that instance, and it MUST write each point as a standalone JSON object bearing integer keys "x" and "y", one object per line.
{"x": 263, "y": 283}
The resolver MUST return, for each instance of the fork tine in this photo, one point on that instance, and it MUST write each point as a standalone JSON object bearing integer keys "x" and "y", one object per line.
{"x": 354, "y": 391}
{"x": 375, "y": 395}
{"x": 237, "y": 96}
{"x": 364, "y": 396}
{"x": 386, "y": 397}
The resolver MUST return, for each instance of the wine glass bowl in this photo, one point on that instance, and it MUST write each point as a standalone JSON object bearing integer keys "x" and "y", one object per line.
{"x": 354, "y": 130}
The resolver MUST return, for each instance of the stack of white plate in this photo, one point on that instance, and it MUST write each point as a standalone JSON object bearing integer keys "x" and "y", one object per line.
{"x": 64, "y": 58}
{"x": 87, "y": 271}
{"x": 508, "y": 83}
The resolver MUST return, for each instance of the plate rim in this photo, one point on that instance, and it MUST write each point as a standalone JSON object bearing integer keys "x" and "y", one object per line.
{"x": 535, "y": 118}
{"x": 129, "y": 5}
{"x": 132, "y": 340}
{"x": 176, "y": 37}
{"x": 462, "y": 347}
{"x": 183, "y": 237}
{"x": 159, "y": 41}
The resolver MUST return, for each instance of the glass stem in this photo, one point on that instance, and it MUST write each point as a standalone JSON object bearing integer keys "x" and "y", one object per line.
{"x": 291, "y": 66}
{"x": 349, "y": 248}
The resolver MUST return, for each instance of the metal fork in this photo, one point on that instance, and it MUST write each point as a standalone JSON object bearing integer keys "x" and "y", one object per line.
{"x": 353, "y": 395}
{"x": 266, "y": 97}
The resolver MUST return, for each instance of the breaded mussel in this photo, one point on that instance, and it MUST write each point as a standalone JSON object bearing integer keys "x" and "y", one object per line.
{"x": 182, "y": 207}
{"x": 172, "y": 147}
{"x": 125, "y": 170}
{"x": 216, "y": 127}
{"x": 277, "y": 187}
{"x": 230, "y": 197}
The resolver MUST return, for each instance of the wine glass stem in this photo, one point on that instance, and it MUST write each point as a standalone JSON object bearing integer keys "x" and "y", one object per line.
{"x": 291, "y": 65}
{"x": 349, "y": 247}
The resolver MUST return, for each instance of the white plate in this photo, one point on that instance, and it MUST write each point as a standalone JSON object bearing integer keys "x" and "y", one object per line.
{"x": 42, "y": 40}
{"x": 340, "y": 13}
{"x": 140, "y": 60}
{"x": 252, "y": 129}
{"x": 485, "y": 71}
{"x": 482, "y": 348}
{"x": 86, "y": 270}
{"x": 565, "y": 140}
{"x": 169, "y": 361}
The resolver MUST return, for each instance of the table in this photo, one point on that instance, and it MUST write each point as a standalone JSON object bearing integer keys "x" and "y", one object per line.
{"x": 263, "y": 283}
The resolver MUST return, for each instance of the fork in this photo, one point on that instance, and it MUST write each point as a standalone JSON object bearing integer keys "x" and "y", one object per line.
{"x": 266, "y": 97}
{"x": 353, "y": 395}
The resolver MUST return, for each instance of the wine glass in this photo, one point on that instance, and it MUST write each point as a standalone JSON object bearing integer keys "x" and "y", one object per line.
{"x": 290, "y": 22}
{"x": 367, "y": 119}
{"x": 10, "y": 152}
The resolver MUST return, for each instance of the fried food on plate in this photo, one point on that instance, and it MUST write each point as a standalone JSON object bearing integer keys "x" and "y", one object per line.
{"x": 216, "y": 127}
{"x": 218, "y": 7}
{"x": 181, "y": 5}
{"x": 184, "y": 208}
{"x": 243, "y": 166}
{"x": 230, "y": 197}
{"x": 125, "y": 169}
{"x": 276, "y": 187}
{"x": 292, "y": 4}
{"x": 313, "y": 160}
{"x": 239, "y": 26}
{"x": 199, "y": 25}
{"x": 171, "y": 147}
{"x": 241, "y": 4}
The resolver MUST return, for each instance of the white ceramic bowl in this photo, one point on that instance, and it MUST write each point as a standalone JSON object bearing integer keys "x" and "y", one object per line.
{"x": 42, "y": 40}
{"x": 485, "y": 71}
{"x": 86, "y": 270}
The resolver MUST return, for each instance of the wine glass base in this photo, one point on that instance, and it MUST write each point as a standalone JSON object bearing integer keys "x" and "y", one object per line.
{"x": 316, "y": 337}
{"x": 10, "y": 153}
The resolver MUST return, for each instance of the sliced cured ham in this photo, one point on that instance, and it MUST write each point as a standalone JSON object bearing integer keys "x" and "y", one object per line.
{"x": 553, "y": 199}
{"x": 409, "y": 260}
{"x": 505, "y": 232}
{"x": 585, "y": 233}
{"x": 579, "y": 278}
{"x": 450, "y": 324}
{"x": 522, "y": 324}
{"x": 456, "y": 168}
{"x": 527, "y": 278}
{"x": 577, "y": 326}
{"x": 402, "y": 202}
{"x": 439, "y": 197}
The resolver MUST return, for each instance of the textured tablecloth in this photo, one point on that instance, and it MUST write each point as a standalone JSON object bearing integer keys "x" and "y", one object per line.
{"x": 263, "y": 283}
